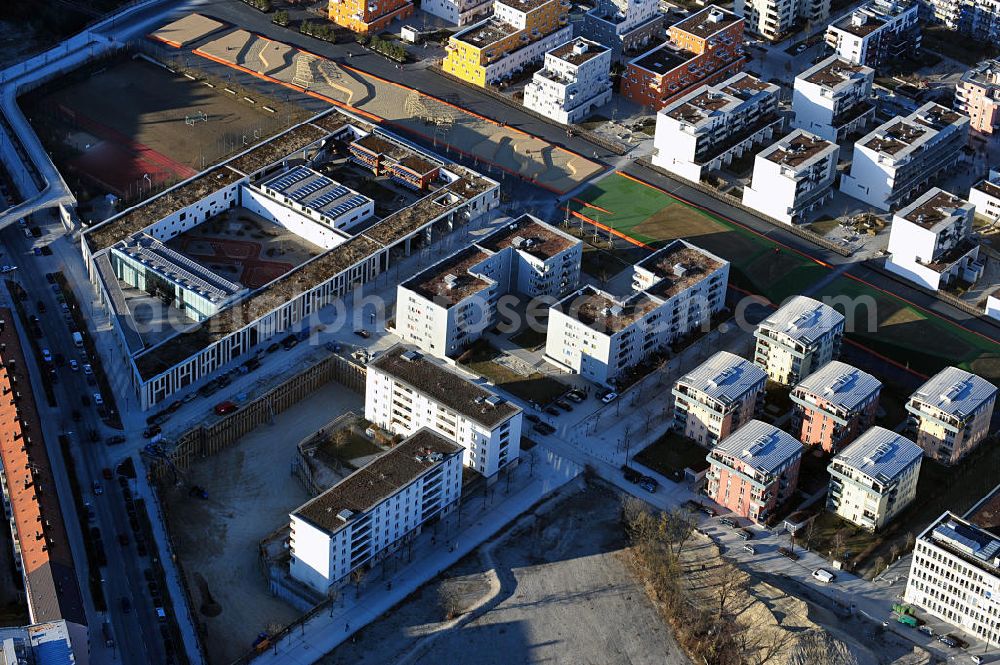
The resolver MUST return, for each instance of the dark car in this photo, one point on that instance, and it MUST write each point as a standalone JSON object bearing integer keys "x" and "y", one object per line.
{"x": 744, "y": 534}
{"x": 106, "y": 472}
{"x": 532, "y": 418}
{"x": 222, "y": 408}
{"x": 708, "y": 510}
{"x": 728, "y": 521}
{"x": 290, "y": 342}
{"x": 150, "y": 432}
{"x": 46, "y": 250}
{"x": 565, "y": 406}
{"x": 50, "y": 278}
{"x": 631, "y": 474}
{"x": 115, "y": 440}
{"x": 362, "y": 333}
{"x": 544, "y": 428}
{"x": 273, "y": 347}
{"x": 785, "y": 552}
{"x": 552, "y": 411}
{"x": 126, "y": 605}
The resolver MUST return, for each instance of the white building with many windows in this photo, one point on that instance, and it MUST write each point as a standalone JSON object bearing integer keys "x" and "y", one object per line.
{"x": 774, "y": 20}
{"x": 448, "y": 306}
{"x": 874, "y": 478}
{"x": 802, "y": 336}
{"x": 876, "y": 33}
{"x": 833, "y": 99}
{"x": 406, "y": 390}
{"x": 459, "y": 12}
{"x": 574, "y": 82}
{"x": 985, "y": 196}
{"x": 904, "y": 156}
{"x": 955, "y": 576}
{"x": 623, "y": 25}
{"x": 599, "y": 335}
{"x": 375, "y": 510}
{"x": 930, "y": 242}
{"x": 793, "y": 177}
{"x": 951, "y": 413}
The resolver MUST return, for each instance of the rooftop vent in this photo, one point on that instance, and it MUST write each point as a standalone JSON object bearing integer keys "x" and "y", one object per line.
{"x": 494, "y": 400}
{"x": 450, "y": 281}
{"x": 679, "y": 270}
{"x": 858, "y": 19}
{"x": 410, "y": 356}
{"x": 715, "y": 16}
{"x": 579, "y": 48}
{"x": 345, "y": 514}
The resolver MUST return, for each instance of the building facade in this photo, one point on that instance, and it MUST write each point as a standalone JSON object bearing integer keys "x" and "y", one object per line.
{"x": 367, "y": 16}
{"x": 624, "y": 26}
{"x": 874, "y": 478}
{"x": 802, "y": 336}
{"x": 405, "y": 391}
{"x": 459, "y": 12}
{"x": 876, "y": 33}
{"x": 375, "y": 510}
{"x": 599, "y": 335}
{"x": 793, "y": 177}
{"x": 774, "y": 20}
{"x": 833, "y": 99}
{"x": 904, "y": 156}
{"x": 754, "y": 470}
{"x": 951, "y": 414}
{"x": 930, "y": 242}
{"x": 834, "y": 405}
{"x": 574, "y": 82}
{"x": 710, "y": 127}
{"x": 977, "y": 95}
{"x": 717, "y": 398}
{"x": 703, "y": 49}
{"x": 985, "y": 196}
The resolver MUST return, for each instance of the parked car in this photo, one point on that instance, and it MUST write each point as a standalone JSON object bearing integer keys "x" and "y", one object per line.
{"x": 290, "y": 342}
{"x": 744, "y": 534}
{"x": 544, "y": 428}
{"x": 728, "y": 521}
{"x": 106, "y": 473}
{"x": 785, "y": 552}
{"x": 46, "y": 355}
{"x": 823, "y": 575}
{"x": 532, "y": 418}
{"x": 362, "y": 333}
{"x": 115, "y": 440}
{"x": 74, "y": 365}
{"x": 222, "y": 408}
{"x": 948, "y": 641}
{"x": 41, "y": 306}
{"x": 926, "y": 630}
{"x": 565, "y": 406}
{"x": 126, "y": 605}
{"x": 574, "y": 396}
{"x": 273, "y": 347}
{"x": 708, "y": 510}
{"x": 552, "y": 411}
{"x": 98, "y": 488}
{"x": 649, "y": 484}
{"x": 87, "y": 369}
{"x": 749, "y": 548}
{"x": 609, "y": 396}
{"x": 98, "y": 400}
{"x": 631, "y": 474}
{"x": 150, "y": 432}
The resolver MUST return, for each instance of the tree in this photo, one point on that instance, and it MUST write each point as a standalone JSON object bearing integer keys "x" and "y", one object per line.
{"x": 894, "y": 552}
{"x": 357, "y": 577}
{"x": 910, "y": 541}
{"x": 810, "y": 534}
{"x": 280, "y": 17}
{"x": 728, "y": 582}
{"x": 880, "y": 565}
{"x": 838, "y": 544}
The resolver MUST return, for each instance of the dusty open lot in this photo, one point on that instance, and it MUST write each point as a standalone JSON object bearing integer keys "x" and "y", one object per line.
{"x": 251, "y": 491}
{"x": 561, "y": 593}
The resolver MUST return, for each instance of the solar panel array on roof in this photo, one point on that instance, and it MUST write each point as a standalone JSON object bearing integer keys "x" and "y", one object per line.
{"x": 290, "y": 178}
{"x": 329, "y": 197}
{"x": 318, "y": 183}
{"x": 349, "y": 204}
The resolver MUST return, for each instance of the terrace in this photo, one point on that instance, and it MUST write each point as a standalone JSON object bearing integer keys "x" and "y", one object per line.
{"x": 381, "y": 146}
{"x": 894, "y": 137}
{"x": 834, "y": 73}
{"x": 663, "y": 59}
{"x": 607, "y": 315}
{"x": 575, "y": 56}
{"x": 799, "y": 150}
{"x": 936, "y": 209}
{"x": 707, "y": 22}
{"x": 487, "y": 33}
{"x": 530, "y": 237}
{"x": 678, "y": 269}
{"x": 450, "y": 282}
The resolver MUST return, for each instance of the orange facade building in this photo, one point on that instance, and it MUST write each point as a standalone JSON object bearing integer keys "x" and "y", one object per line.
{"x": 363, "y": 16}
{"x": 977, "y": 95}
{"x": 703, "y": 49}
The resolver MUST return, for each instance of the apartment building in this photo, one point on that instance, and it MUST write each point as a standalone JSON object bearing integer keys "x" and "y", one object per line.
{"x": 876, "y": 33}
{"x": 774, "y": 20}
{"x": 624, "y": 26}
{"x": 874, "y": 478}
{"x": 517, "y": 34}
{"x": 833, "y": 99}
{"x": 717, "y": 398}
{"x": 793, "y": 177}
{"x": 904, "y": 156}
{"x": 754, "y": 470}
{"x": 675, "y": 291}
{"x": 446, "y": 307}
{"x": 703, "y": 49}
{"x": 367, "y": 16}
{"x": 834, "y": 405}
{"x": 985, "y": 196}
{"x": 799, "y": 338}
{"x": 977, "y": 95}
{"x": 458, "y": 12}
{"x": 574, "y": 82}
{"x": 375, "y": 510}
{"x": 707, "y": 129}
{"x": 405, "y": 391}
{"x": 971, "y": 19}
{"x": 931, "y": 243}
{"x": 955, "y": 576}
{"x": 951, "y": 413}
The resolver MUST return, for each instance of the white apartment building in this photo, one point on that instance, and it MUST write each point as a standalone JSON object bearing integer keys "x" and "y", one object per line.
{"x": 972, "y": 19}
{"x": 710, "y": 127}
{"x": 459, "y": 12}
{"x": 993, "y": 307}
{"x": 905, "y": 155}
{"x": 930, "y": 241}
{"x": 951, "y": 413}
{"x": 406, "y": 390}
{"x": 623, "y": 25}
{"x": 793, "y": 177}
{"x": 874, "y": 478}
{"x": 376, "y": 509}
{"x": 985, "y": 196}
{"x": 803, "y": 335}
{"x": 876, "y": 33}
{"x": 598, "y": 335}
{"x": 833, "y": 99}
{"x": 717, "y": 398}
{"x": 955, "y": 576}
{"x": 574, "y": 82}
{"x": 448, "y": 306}
{"x": 773, "y": 19}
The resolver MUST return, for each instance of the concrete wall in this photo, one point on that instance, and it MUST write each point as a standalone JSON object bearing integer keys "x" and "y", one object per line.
{"x": 282, "y": 215}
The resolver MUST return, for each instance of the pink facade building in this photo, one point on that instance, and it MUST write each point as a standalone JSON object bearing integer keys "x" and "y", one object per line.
{"x": 754, "y": 470}
{"x": 834, "y": 405}
{"x": 977, "y": 95}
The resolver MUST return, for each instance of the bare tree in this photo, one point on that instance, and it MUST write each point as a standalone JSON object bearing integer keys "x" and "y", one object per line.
{"x": 810, "y": 533}
{"x": 880, "y": 565}
{"x": 450, "y": 601}
{"x": 911, "y": 540}
{"x": 728, "y": 582}
{"x": 838, "y": 544}
{"x": 357, "y": 577}
{"x": 676, "y": 528}
{"x": 894, "y": 552}
{"x": 759, "y": 645}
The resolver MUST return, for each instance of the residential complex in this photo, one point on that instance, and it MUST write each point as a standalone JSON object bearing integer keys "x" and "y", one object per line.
{"x": 874, "y": 478}
{"x": 930, "y": 241}
{"x": 802, "y": 336}
{"x": 432, "y": 198}
{"x": 985, "y": 196}
{"x": 876, "y": 33}
{"x": 375, "y": 510}
{"x": 793, "y": 178}
{"x": 977, "y": 95}
{"x": 904, "y": 156}
{"x": 459, "y": 12}
{"x": 366, "y": 16}
{"x": 703, "y": 49}
{"x": 754, "y": 470}
{"x": 406, "y": 391}
{"x": 834, "y": 405}
{"x": 717, "y": 398}
{"x": 625, "y": 26}
{"x": 518, "y": 33}
{"x": 977, "y": 20}
{"x": 774, "y": 20}
{"x": 707, "y": 129}
{"x": 574, "y": 82}
{"x": 955, "y": 576}
{"x": 833, "y": 99}
{"x": 675, "y": 291}
{"x": 951, "y": 413}
{"x": 448, "y": 306}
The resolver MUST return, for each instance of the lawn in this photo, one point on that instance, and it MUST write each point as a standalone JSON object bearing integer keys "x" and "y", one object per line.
{"x": 820, "y": 538}
{"x": 344, "y": 446}
{"x": 530, "y": 339}
{"x": 535, "y": 387}
{"x": 671, "y": 454}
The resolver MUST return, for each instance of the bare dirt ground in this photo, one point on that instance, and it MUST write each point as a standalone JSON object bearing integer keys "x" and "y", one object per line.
{"x": 251, "y": 491}
{"x": 560, "y": 593}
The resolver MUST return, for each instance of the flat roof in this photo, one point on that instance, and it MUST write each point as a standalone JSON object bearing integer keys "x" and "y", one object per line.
{"x": 894, "y": 136}
{"x": 934, "y": 207}
{"x": 840, "y": 384}
{"x": 966, "y": 541}
{"x": 445, "y": 386}
{"x": 486, "y": 33}
{"x": 724, "y": 97}
{"x": 835, "y": 72}
{"x": 664, "y": 58}
{"x": 578, "y": 51}
{"x": 382, "y": 146}
{"x": 798, "y": 148}
{"x": 986, "y": 75}
{"x": 803, "y": 319}
{"x": 880, "y": 454}
{"x": 761, "y": 446}
{"x": 450, "y": 281}
{"x": 378, "y": 480}
{"x": 678, "y": 267}
{"x": 531, "y": 236}
{"x": 316, "y": 191}
{"x": 604, "y": 312}
{"x": 955, "y": 392}
{"x": 177, "y": 268}
{"x": 523, "y": 5}
{"x": 279, "y": 147}
{"x": 707, "y": 22}
{"x": 989, "y": 186}
{"x": 725, "y": 377}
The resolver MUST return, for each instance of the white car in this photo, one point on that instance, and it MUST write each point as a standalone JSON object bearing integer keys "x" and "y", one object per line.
{"x": 6, "y": 269}
{"x": 87, "y": 369}
{"x": 824, "y": 576}
{"x": 609, "y": 397}
{"x": 98, "y": 400}
{"x": 74, "y": 365}
{"x": 46, "y": 355}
